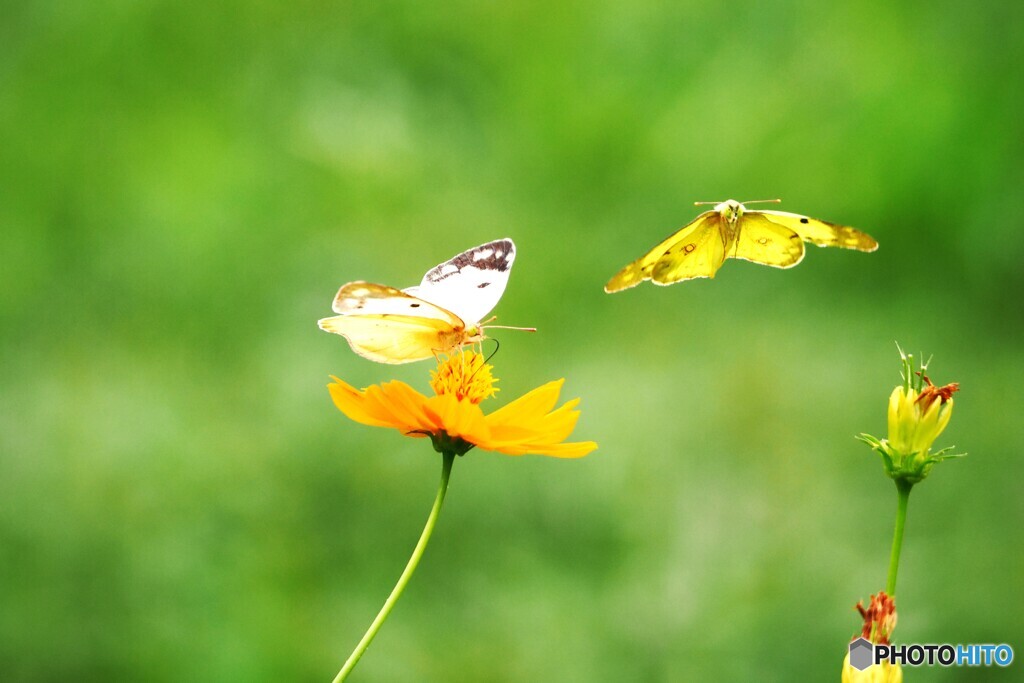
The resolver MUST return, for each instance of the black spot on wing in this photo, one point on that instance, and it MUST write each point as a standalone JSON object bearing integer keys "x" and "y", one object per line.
{"x": 496, "y": 256}
{"x": 804, "y": 221}
{"x": 483, "y": 284}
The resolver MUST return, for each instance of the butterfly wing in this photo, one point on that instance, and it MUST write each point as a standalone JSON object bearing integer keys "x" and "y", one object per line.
{"x": 762, "y": 241}
{"x": 471, "y": 283}
{"x": 821, "y": 233}
{"x": 642, "y": 269}
{"x": 388, "y": 325}
{"x": 392, "y": 339}
{"x": 699, "y": 252}
{"x": 368, "y": 298}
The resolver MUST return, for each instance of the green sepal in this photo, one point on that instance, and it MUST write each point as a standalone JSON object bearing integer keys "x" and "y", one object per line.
{"x": 443, "y": 443}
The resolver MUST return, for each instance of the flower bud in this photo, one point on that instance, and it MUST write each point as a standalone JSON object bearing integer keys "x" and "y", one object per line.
{"x": 918, "y": 413}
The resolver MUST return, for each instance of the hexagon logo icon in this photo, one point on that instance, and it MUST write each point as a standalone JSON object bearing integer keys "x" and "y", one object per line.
{"x": 861, "y": 654}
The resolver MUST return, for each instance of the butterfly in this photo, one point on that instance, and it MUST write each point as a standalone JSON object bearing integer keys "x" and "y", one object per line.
{"x": 772, "y": 238}
{"x": 440, "y": 315}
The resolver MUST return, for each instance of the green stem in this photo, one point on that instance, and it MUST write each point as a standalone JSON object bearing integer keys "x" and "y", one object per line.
{"x": 903, "y": 492}
{"x": 417, "y": 553}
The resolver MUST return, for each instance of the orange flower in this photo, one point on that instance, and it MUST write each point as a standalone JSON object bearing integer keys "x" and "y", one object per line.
{"x": 453, "y": 419}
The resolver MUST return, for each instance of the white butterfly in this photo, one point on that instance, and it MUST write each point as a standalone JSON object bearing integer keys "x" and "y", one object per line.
{"x": 439, "y": 315}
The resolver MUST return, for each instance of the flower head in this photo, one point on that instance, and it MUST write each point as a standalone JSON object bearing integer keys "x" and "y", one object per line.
{"x": 885, "y": 672}
{"x": 879, "y": 621}
{"x": 918, "y": 413}
{"x": 453, "y": 419}
{"x": 879, "y": 618}
{"x": 465, "y": 375}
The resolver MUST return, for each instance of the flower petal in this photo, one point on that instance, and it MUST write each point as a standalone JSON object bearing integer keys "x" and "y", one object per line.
{"x": 462, "y": 419}
{"x": 557, "y": 450}
{"x": 570, "y": 450}
{"x": 407, "y": 405}
{"x": 560, "y": 423}
{"x": 530, "y": 428}
{"x": 945, "y": 413}
{"x": 529, "y": 406}
{"x": 895, "y": 411}
{"x": 554, "y": 426}
{"x": 353, "y": 404}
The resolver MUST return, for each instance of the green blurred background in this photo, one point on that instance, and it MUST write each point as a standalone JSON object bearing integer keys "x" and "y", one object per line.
{"x": 183, "y": 186}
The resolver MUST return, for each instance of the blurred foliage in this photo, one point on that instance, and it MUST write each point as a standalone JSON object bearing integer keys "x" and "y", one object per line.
{"x": 184, "y": 185}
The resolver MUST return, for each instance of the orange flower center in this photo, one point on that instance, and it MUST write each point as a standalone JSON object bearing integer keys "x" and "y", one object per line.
{"x": 466, "y": 375}
{"x": 930, "y": 392}
{"x": 879, "y": 618}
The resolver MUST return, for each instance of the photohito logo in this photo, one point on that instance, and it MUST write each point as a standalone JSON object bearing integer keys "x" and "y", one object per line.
{"x": 863, "y": 654}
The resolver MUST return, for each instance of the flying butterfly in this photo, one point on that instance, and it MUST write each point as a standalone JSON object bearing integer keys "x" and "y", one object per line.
{"x": 730, "y": 230}
{"x": 440, "y": 315}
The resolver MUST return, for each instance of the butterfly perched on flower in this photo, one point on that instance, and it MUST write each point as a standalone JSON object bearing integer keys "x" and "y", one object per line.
{"x": 730, "y": 230}
{"x": 440, "y": 315}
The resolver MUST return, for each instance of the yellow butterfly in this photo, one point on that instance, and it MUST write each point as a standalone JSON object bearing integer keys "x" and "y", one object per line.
{"x": 440, "y": 315}
{"x": 772, "y": 238}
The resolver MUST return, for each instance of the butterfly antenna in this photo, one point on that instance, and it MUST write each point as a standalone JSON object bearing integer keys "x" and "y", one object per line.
{"x": 504, "y": 327}
{"x": 752, "y": 201}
